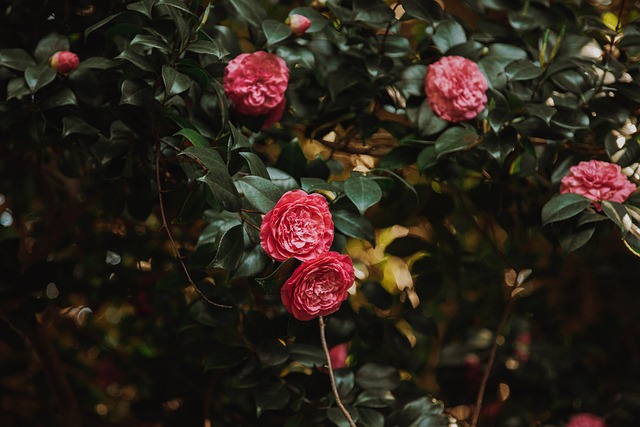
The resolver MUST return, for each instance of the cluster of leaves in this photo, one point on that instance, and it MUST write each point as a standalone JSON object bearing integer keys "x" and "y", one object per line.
{"x": 138, "y": 154}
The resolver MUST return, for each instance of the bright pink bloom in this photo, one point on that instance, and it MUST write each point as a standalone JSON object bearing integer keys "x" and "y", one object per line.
{"x": 64, "y": 61}
{"x": 299, "y": 24}
{"x": 338, "y": 355}
{"x": 256, "y": 83}
{"x": 318, "y": 287}
{"x": 597, "y": 180}
{"x": 456, "y": 88}
{"x": 586, "y": 420}
{"x": 299, "y": 226}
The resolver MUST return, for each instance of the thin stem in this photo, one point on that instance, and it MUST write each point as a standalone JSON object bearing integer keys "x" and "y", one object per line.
{"x": 165, "y": 225}
{"x": 492, "y": 359}
{"x": 334, "y": 387}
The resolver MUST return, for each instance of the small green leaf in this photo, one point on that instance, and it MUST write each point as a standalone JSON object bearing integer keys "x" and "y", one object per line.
{"x": 223, "y": 357}
{"x": 144, "y": 7}
{"x": 572, "y": 238}
{"x": 307, "y": 354}
{"x": 455, "y": 139}
{"x": 177, "y": 4}
{"x": 375, "y": 398}
{"x": 256, "y": 166}
{"x": 137, "y": 60}
{"x": 273, "y": 396}
{"x": 523, "y": 70}
{"x": 17, "y": 88}
{"x": 275, "y": 31}
{"x": 375, "y": 376}
{"x": 38, "y": 76}
{"x": 336, "y": 416}
{"x": 427, "y": 158}
{"x": 618, "y": 214}
{"x": 370, "y": 418}
{"x": 427, "y": 121}
{"x": 60, "y": 98}
{"x": 97, "y": 63}
{"x": 362, "y": 191}
{"x": 16, "y": 59}
{"x": 250, "y": 10}
{"x": 221, "y": 185}
{"x": 208, "y": 47}
{"x": 138, "y": 94}
{"x": 353, "y": 225}
{"x": 563, "y": 206}
{"x": 194, "y": 137}
{"x": 229, "y": 250}
{"x": 271, "y": 352}
{"x": 50, "y": 44}
{"x": 448, "y": 34}
{"x": 75, "y": 125}
{"x": 174, "y": 81}
{"x": 150, "y": 42}
{"x": 260, "y": 192}
{"x": 426, "y": 10}
{"x": 208, "y": 156}
{"x": 100, "y": 24}
{"x": 273, "y": 282}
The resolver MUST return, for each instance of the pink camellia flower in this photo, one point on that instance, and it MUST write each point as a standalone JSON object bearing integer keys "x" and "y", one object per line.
{"x": 299, "y": 24}
{"x": 299, "y": 226}
{"x": 456, "y": 88}
{"x": 319, "y": 286}
{"x": 586, "y": 420}
{"x": 256, "y": 83}
{"x": 597, "y": 180}
{"x": 338, "y": 355}
{"x": 64, "y": 61}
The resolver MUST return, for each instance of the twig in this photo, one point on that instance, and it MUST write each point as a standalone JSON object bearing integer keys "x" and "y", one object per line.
{"x": 492, "y": 359}
{"x": 165, "y": 225}
{"x": 334, "y": 387}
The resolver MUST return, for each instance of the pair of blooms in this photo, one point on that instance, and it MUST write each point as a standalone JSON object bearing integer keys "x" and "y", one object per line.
{"x": 256, "y": 83}
{"x": 300, "y": 226}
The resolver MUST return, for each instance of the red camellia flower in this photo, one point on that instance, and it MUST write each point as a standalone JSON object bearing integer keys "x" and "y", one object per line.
{"x": 299, "y": 24}
{"x": 586, "y": 420}
{"x": 456, "y": 88}
{"x": 299, "y": 226}
{"x": 338, "y": 355}
{"x": 597, "y": 180}
{"x": 64, "y": 61}
{"x": 318, "y": 287}
{"x": 256, "y": 83}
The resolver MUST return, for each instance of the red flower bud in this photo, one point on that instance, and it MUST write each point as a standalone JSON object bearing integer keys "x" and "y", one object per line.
{"x": 64, "y": 61}
{"x": 299, "y": 24}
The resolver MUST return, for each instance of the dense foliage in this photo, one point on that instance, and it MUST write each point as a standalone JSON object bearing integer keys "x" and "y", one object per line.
{"x": 476, "y": 164}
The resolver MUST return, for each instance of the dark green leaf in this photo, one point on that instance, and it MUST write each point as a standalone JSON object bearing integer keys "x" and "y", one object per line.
{"x": 208, "y": 156}
{"x": 38, "y": 76}
{"x": 275, "y": 31}
{"x": 427, "y": 121}
{"x": 618, "y": 214}
{"x": 177, "y": 4}
{"x": 307, "y": 354}
{"x": 97, "y": 63}
{"x": 192, "y": 206}
{"x": 271, "y": 352}
{"x": 222, "y": 187}
{"x": 75, "y": 125}
{"x": 412, "y": 80}
{"x": 422, "y": 408}
{"x": 563, "y": 206}
{"x": 143, "y": 6}
{"x": 151, "y": 42}
{"x": 455, "y": 139}
{"x": 375, "y": 398}
{"x": 373, "y": 12}
{"x": 138, "y": 94}
{"x": 448, "y": 34}
{"x": 208, "y": 47}
{"x": 229, "y": 250}
{"x": 353, "y": 225}
{"x": 370, "y": 418}
{"x": 426, "y": 10}
{"x": 60, "y": 98}
{"x": 273, "y": 396}
{"x": 523, "y": 70}
{"x": 260, "y": 192}
{"x": 174, "y": 81}
{"x": 16, "y": 59}
{"x": 50, "y": 44}
{"x": 541, "y": 111}
{"x": 362, "y": 191}
{"x": 194, "y": 137}
{"x": 336, "y": 416}
{"x": 572, "y": 238}
{"x": 17, "y": 88}
{"x": 256, "y": 166}
{"x": 224, "y": 357}
{"x": 375, "y": 376}
{"x": 100, "y": 24}
{"x": 273, "y": 282}
{"x": 250, "y": 10}
{"x": 427, "y": 158}
{"x": 137, "y": 60}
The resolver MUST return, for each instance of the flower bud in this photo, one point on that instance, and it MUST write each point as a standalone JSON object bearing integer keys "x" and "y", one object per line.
{"x": 64, "y": 61}
{"x": 299, "y": 24}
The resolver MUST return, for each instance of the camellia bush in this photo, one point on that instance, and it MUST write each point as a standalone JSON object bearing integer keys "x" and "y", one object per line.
{"x": 410, "y": 213}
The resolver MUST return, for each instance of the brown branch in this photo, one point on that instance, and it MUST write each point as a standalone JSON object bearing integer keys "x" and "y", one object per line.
{"x": 165, "y": 225}
{"x": 334, "y": 387}
{"x": 492, "y": 359}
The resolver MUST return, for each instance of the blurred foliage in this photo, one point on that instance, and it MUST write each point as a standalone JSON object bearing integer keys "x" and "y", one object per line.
{"x": 102, "y": 327}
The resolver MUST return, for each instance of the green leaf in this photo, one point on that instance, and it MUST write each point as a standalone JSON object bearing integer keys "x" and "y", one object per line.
{"x": 193, "y": 206}
{"x": 448, "y": 34}
{"x": 373, "y": 12}
{"x": 563, "y": 206}
{"x": 150, "y": 42}
{"x": 137, "y": 94}
{"x": 177, "y": 4}
{"x": 137, "y": 60}
{"x": 17, "y": 88}
{"x": 273, "y": 282}
{"x": 194, "y": 137}
{"x": 455, "y": 139}
{"x": 50, "y": 44}
{"x": 523, "y": 70}
{"x": 618, "y": 214}
{"x": 271, "y": 352}
{"x": 97, "y": 63}
{"x": 208, "y": 47}
{"x": 427, "y": 121}
{"x": 273, "y": 396}
{"x": 16, "y": 59}
{"x": 144, "y": 7}
{"x": 223, "y": 357}
{"x": 174, "y": 81}
{"x": 375, "y": 398}
{"x": 375, "y": 376}
{"x": 62, "y": 97}
{"x": 541, "y": 111}
{"x": 412, "y": 80}
{"x": 307, "y": 354}
{"x": 353, "y": 225}
{"x": 38, "y": 76}
{"x": 572, "y": 238}
{"x": 250, "y": 10}
{"x": 336, "y": 416}
{"x": 229, "y": 250}
{"x": 222, "y": 187}
{"x": 75, "y": 125}
{"x": 362, "y": 191}
{"x": 208, "y": 156}
{"x": 240, "y": 141}
{"x": 256, "y": 166}
{"x": 423, "y": 408}
{"x": 260, "y": 192}
{"x": 426, "y": 10}
{"x": 275, "y": 31}
{"x": 370, "y": 418}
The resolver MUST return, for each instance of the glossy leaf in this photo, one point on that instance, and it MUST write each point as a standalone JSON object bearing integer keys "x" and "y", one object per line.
{"x": 353, "y": 225}
{"x": 174, "y": 81}
{"x": 16, "y": 59}
{"x": 221, "y": 185}
{"x": 229, "y": 249}
{"x": 455, "y": 139}
{"x": 38, "y": 76}
{"x": 362, "y": 191}
{"x": 448, "y": 34}
{"x": 275, "y": 31}
{"x": 273, "y": 282}
{"x": 563, "y": 206}
{"x": 260, "y": 192}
